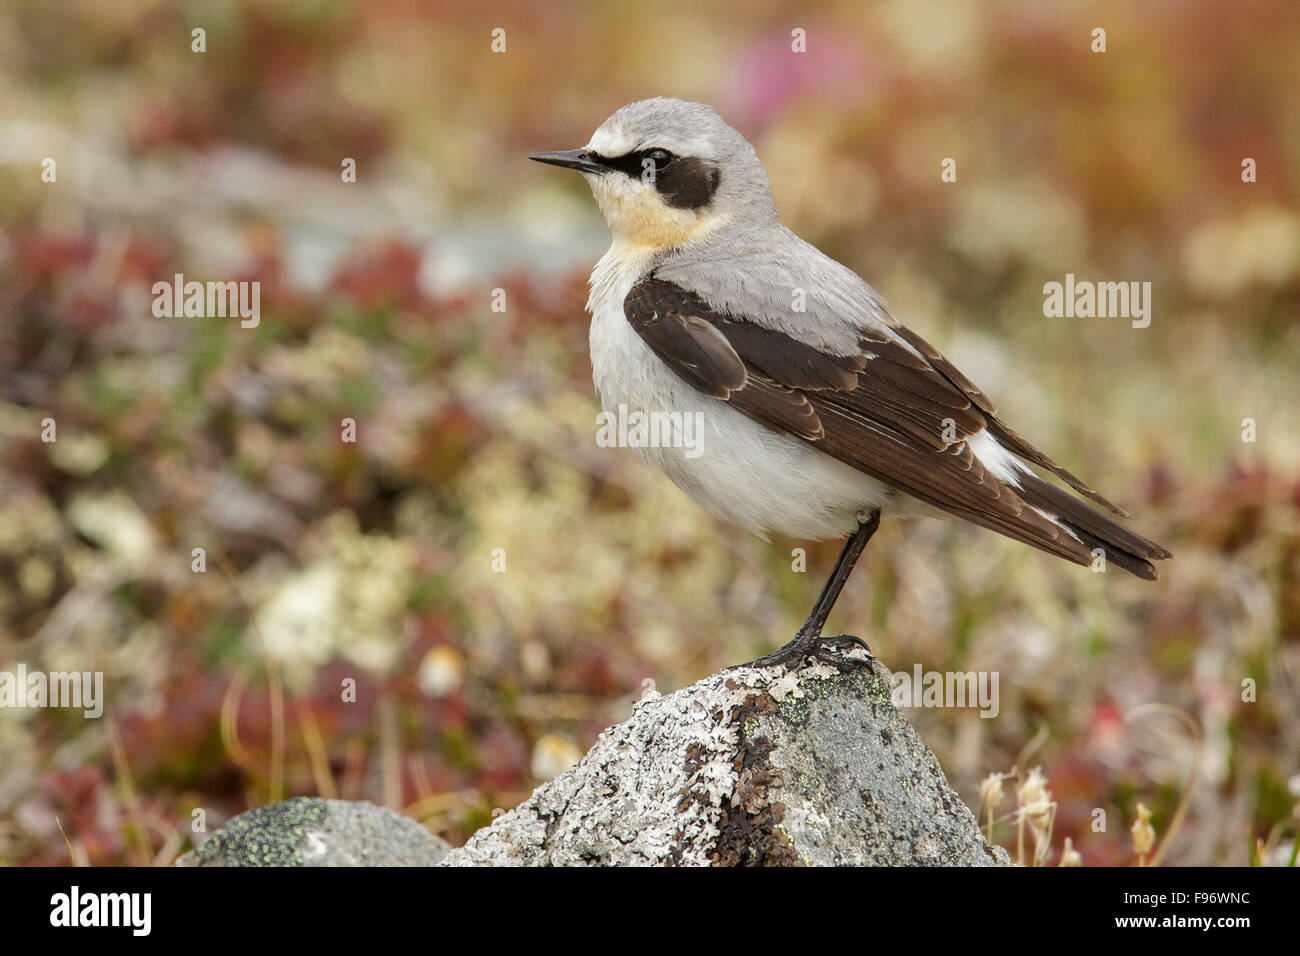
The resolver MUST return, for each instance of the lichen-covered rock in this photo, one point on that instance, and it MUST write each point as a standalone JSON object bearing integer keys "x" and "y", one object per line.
{"x": 307, "y": 831}
{"x": 811, "y": 765}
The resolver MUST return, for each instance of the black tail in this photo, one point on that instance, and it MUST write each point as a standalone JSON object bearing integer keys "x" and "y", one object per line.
{"x": 1123, "y": 548}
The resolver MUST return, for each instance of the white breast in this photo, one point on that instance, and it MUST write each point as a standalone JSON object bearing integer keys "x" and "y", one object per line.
{"x": 743, "y": 472}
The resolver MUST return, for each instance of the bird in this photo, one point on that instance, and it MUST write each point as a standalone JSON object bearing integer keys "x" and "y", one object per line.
{"x": 820, "y": 410}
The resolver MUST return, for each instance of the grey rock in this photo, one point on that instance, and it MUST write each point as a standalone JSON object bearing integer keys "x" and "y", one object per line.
{"x": 810, "y": 765}
{"x": 307, "y": 831}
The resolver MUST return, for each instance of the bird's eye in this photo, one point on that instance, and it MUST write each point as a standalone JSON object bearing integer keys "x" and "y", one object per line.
{"x": 660, "y": 157}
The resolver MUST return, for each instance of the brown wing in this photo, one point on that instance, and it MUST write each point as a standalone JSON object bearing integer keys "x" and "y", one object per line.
{"x": 899, "y": 415}
{"x": 1005, "y": 436}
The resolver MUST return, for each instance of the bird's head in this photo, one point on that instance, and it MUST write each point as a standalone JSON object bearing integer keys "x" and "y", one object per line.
{"x": 666, "y": 171}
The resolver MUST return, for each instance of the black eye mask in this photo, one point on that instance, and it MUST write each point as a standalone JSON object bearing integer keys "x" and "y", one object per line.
{"x": 684, "y": 182}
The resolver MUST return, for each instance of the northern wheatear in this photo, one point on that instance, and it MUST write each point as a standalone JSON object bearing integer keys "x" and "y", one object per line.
{"x": 820, "y": 410}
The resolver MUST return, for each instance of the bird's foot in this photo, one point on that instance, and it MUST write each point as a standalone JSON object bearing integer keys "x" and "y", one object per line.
{"x": 831, "y": 649}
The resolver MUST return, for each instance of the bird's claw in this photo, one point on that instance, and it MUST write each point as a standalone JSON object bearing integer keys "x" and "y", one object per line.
{"x": 832, "y": 649}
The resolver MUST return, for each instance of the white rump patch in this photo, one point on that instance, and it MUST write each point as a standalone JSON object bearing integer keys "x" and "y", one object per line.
{"x": 1002, "y": 464}
{"x": 1007, "y": 468}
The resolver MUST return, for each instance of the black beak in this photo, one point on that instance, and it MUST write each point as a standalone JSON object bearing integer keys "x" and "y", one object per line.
{"x": 583, "y": 160}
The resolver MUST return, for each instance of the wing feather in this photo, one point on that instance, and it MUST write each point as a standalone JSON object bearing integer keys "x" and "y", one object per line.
{"x": 896, "y": 410}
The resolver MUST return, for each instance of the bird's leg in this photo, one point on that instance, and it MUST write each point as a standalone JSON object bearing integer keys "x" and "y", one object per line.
{"x": 809, "y": 639}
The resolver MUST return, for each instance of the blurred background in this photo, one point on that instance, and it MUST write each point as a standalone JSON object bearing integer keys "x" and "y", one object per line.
{"x": 328, "y": 561}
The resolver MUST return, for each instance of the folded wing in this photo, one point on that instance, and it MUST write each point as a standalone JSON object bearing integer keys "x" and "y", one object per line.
{"x": 896, "y": 410}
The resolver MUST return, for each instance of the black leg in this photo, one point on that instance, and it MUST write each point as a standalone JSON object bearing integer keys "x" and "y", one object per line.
{"x": 809, "y": 640}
